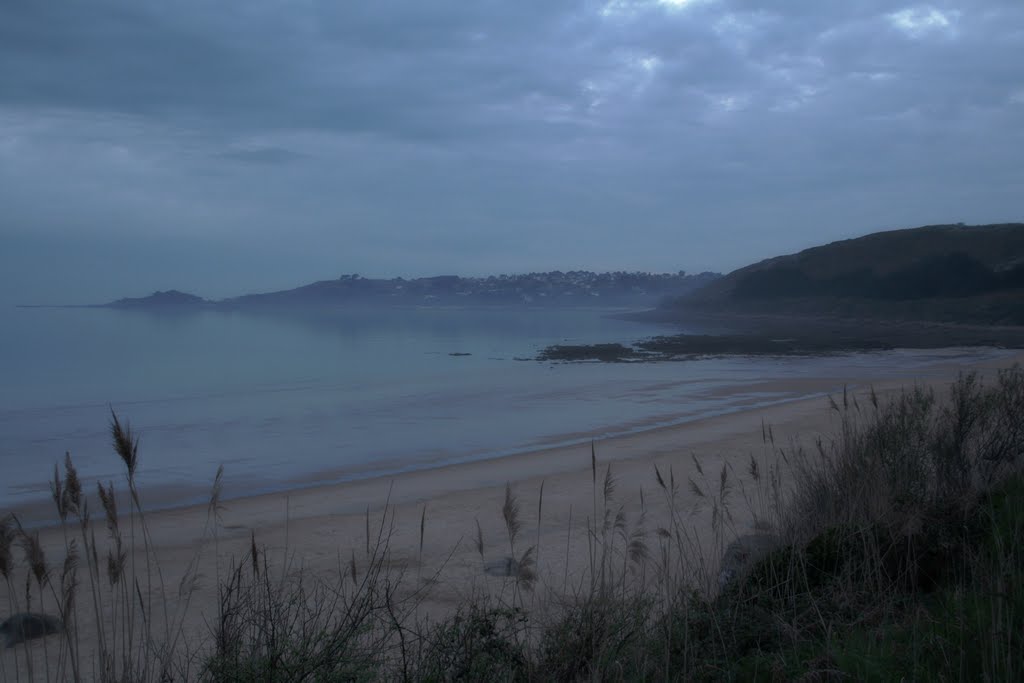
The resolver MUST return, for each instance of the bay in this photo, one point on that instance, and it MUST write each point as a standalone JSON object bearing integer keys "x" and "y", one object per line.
{"x": 290, "y": 401}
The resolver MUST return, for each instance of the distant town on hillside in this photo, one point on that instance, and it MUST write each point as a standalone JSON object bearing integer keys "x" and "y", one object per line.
{"x": 554, "y": 288}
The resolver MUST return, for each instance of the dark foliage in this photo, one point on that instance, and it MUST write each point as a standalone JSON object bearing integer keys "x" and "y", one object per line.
{"x": 947, "y": 276}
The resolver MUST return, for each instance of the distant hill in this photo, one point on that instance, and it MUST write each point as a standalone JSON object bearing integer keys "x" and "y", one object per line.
{"x": 953, "y": 273}
{"x": 555, "y": 288}
{"x": 171, "y": 299}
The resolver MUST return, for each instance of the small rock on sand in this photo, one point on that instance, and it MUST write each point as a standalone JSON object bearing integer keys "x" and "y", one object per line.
{"x": 742, "y": 553}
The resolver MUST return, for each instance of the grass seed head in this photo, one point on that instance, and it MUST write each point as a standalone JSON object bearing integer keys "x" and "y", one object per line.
{"x": 126, "y": 444}
{"x": 423, "y": 528}
{"x": 608, "y": 489}
{"x": 254, "y": 554}
{"x": 69, "y": 579}
{"x": 34, "y": 556}
{"x": 109, "y": 503}
{"x": 215, "y": 493}
{"x": 116, "y": 561}
{"x": 479, "y": 543}
{"x": 72, "y": 487}
{"x": 57, "y": 492}
{"x": 6, "y": 541}
{"x": 510, "y": 511}
{"x": 638, "y": 551}
{"x": 525, "y": 574}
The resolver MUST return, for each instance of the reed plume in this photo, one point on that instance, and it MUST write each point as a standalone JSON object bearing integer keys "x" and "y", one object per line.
{"x": 510, "y": 512}
{"x": 6, "y": 541}
{"x": 126, "y": 444}
{"x": 35, "y": 556}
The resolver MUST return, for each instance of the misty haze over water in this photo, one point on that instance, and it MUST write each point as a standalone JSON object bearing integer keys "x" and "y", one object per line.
{"x": 286, "y": 402}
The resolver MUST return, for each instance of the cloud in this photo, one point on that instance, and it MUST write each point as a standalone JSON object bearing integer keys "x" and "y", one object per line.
{"x": 262, "y": 155}
{"x": 667, "y": 134}
{"x": 917, "y": 22}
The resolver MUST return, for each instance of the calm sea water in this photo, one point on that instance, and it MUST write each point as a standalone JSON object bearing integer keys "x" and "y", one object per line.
{"x": 284, "y": 402}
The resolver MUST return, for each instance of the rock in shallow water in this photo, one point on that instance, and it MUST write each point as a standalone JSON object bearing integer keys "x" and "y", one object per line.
{"x": 26, "y": 626}
{"x": 506, "y": 566}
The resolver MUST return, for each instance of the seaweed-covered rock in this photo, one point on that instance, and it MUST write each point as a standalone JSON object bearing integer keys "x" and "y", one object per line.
{"x": 607, "y": 353}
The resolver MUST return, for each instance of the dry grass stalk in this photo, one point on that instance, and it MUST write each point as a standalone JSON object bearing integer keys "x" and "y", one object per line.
{"x": 479, "y": 542}
{"x": 540, "y": 515}
{"x": 510, "y": 513}
{"x": 126, "y": 444}
{"x": 35, "y": 557}
{"x": 423, "y": 528}
{"x": 876, "y": 468}
{"x": 6, "y": 542}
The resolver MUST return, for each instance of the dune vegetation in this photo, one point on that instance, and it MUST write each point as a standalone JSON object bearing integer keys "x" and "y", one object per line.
{"x": 892, "y": 551}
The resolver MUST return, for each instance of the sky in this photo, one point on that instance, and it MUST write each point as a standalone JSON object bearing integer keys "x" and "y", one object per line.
{"x": 251, "y": 145}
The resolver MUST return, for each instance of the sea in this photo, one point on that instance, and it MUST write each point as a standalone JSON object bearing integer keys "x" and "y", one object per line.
{"x": 288, "y": 401}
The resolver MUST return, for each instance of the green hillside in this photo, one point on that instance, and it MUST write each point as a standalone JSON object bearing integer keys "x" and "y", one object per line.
{"x": 955, "y": 273}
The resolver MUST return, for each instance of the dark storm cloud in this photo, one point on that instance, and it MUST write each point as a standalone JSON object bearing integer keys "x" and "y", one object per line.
{"x": 448, "y": 70}
{"x": 408, "y": 138}
{"x": 401, "y": 69}
{"x": 444, "y": 67}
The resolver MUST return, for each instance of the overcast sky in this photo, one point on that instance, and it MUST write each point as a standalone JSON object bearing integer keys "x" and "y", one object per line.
{"x": 232, "y": 146}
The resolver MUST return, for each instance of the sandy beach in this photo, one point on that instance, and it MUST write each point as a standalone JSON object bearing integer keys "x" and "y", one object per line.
{"x": 322, "y": 528}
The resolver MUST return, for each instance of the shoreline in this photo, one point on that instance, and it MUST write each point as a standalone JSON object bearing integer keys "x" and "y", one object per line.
{"x": 631, "y": 445}
{"x": 431, "y": 518}
{"x": 770, "y": 396}
{"x": 785, "y": 336}
{"x": 195, "y": 496}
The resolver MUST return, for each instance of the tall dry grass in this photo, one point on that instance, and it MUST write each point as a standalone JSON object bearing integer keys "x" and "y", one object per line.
{"x": 904, "y": 527}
